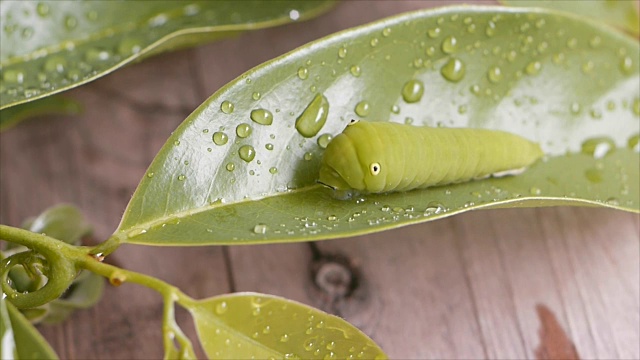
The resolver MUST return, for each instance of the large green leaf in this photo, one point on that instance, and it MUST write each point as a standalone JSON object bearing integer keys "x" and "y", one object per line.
{"x": 20, "y": 340}
{"x": 568, "y": 83}
{"x": 53, "y": 45}
{"x": 247, "y": 325}
{"x": 46, "y": 106}
{"x": 619, "y": 13}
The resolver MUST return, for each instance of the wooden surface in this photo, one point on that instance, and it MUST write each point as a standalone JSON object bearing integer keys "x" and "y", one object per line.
{"x": 511, "y": 284}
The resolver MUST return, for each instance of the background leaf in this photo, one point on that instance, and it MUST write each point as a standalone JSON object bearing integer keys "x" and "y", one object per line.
{"x": 50, "y": 46}
{"x": 567, "y": 83}
{"x": 622, "y": 14}
{"x": 247, "y": 325}
{"x": 49, "y": 105}
{"x": 29, "y": 344}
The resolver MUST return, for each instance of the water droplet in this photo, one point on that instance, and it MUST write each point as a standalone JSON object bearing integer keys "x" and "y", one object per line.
{"x": 626, "y": 64}
{"x": 96, "y": 55}
{"x": 330, "y": 356}
{"x": 43, "y": 9}
{"x": 355, "y": 70}
{"x": 182, "y": 177}
{"x": 575, "y": 108}
{"x": 221, "y": 308}
{"x": 386, "y": 32}
{"x": 490, "y": 30}
{"x": 412, "y": 91}
{"x": 129, "y": 46}
{"x": 309, "y": 345}
{"x": 247, "y": 153}
{"x": 342, "y": 52}
{"x": 313, "y": 117}
{"x": 324, "y": 140}
{"x": 572, "y": 43}
{"x": 495, "y": 74}
{"x": 284, "y": 338}
{"x": 55, "y": 64}
{"x": 634, "y": 143}
{"x": 273, "y": 170}
{"x": 220, "y": 138}
{"x": 13, "y": 76}
{"x": 595, "y": 41}
{"x": 262, "y": 116}
{"x": 453, "y": 70}
{"x": 595, "y": 114}
{"x": 150, "y": 174}
{"x": 70, "y": 22}
{"x": 588, "y": 67}
{"x": 593, "y": 175}
{"x": 535, "y": 191}
{"x": 243, "y": 130}
{"x": 362, "y": 108}
{"x": 332, "y": 218}
{"x": 261, "y": 229}
{"x": 598, "y": 147}
{"x": 256, "y": 96}
{"x": 303, "y": 73}
{"x": 434, "y": 33}
{"x": 533, "y": 67}
{"x": 433, "y": 208}
{"x": 269, "y": 146}
{"x": 449, "y": 45}
{"x": 227, "y": 107}
{"x": 230, "y": 166}
{"x": 462, "y": 109}
{"x": 471, "y": 28}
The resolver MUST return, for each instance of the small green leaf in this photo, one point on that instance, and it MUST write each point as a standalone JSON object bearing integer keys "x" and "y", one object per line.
{"x": 62, "y": 222}
{"x": 51, "y": 46}
{"x": 619, "y": 13}
{"x": 224, "y": 177}
{"x": 249, "y": 325}
{"x": 46, "y": 106}
{"x": 27, "y": 342}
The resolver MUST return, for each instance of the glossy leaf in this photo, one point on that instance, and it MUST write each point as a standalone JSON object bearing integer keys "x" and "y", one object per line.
{"x": 20, "y": 340}
{"x": 248, "y": 325}
{"x": 238, "y": 170}
{"x": 46, "y": 106}
{"x": 63, "y": 222}
{"x": 53, "y": 45}
{"x": 619, "y": 13}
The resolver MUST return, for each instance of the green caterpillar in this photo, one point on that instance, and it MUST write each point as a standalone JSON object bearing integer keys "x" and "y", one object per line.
{"x": 378, "y": 157}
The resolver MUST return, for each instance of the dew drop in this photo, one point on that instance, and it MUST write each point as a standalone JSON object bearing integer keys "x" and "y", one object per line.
{"x": 55, "y": 64}
{"x": 395, "y": 109}
{"x": 324, "y": 140}
{"x": 572, "y": 43}
{"x": 373, "y": 42}
{"x": 595, "y": 41}
{"x": 449, "y": 45}
{"x": 355, "y": 70}
{"x": 269, "y": 146}
{"x": 243, "y": 130}
{"x": 247, "y": 153}
{"x": 626, "y": 64}
{"x": 634, "y": 143}
{"x": 598, "y": 147}
{"x": 273, "y": 170}
{"x": 533, "y": 68}
{"x": 43, "y": 9}
{"x": 227, "y": 107}
{"x": 453, "y": 70}
{"x": 182, "y": 177}
{"x": 262, "y": 116}
{"x": 230, "y": 166}
{"x": 535, "y": 190}
{"x": 220, "y": 138}
{"x": 129, "y": 46}
{"x": 284, "y": 338}
{"x": 588, "y": 67}
{"x": 313, "y": 117}
{"x": 434, "y": 33}
{"x": 362, "y": 108}
{"x": 96, "y": 55}
{"x": 150, "y": 174}
{"x": 495, "y": 74}
{"x": 490, "y": 30}
{"x": 70, "y": 22}
{"x": 332, "y": 218}
{"x": 221, "y": 308}
{"x": 386, "y": 32}
{"x": 303, "y": 73}
{"x": 593, "y": 175}
{"x": 261, "y": 229}
{"x": 309, "y": 345}
{"x": 13, "y": 76}
{"x": 574, "y": 108}
{"x": 342, "y": 52}
{"x": 412, "y": 91}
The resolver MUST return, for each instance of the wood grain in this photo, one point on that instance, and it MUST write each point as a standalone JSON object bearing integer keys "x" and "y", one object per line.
{"x": 465, "y": 287}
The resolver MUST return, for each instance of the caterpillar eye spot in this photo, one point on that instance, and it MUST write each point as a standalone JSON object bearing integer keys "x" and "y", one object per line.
{"x": 352, "y": 121}
{"x": 374, "y": 168}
